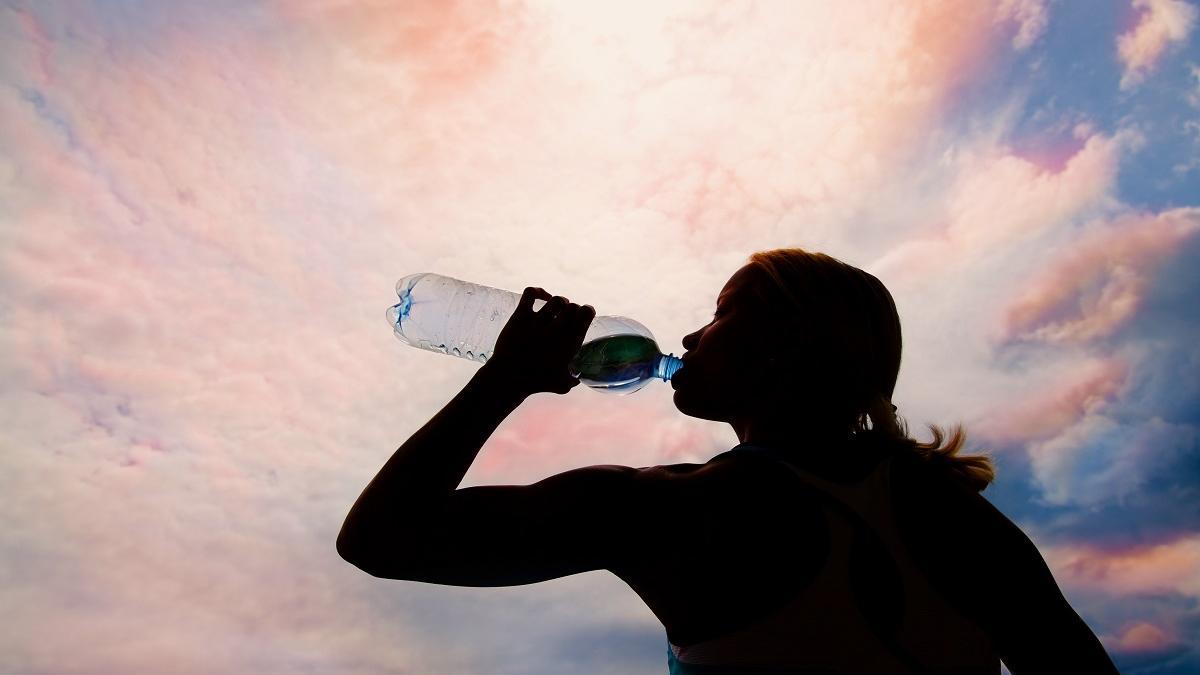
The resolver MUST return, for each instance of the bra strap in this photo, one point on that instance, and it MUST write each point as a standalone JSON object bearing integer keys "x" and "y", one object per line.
{"x": 868, "y": 547}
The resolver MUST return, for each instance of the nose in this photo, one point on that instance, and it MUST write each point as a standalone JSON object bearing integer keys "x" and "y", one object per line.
{"x": 690, "y": 340}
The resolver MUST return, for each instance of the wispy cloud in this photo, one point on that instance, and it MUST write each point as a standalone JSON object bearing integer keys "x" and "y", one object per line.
{"x": 1161, "y": 23}
{"x": 1030, "y": 16}
{"x": 1172, "y": 566}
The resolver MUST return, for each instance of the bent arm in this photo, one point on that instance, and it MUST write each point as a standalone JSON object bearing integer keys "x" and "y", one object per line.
{"x": 510, "y": 535}
{"x": 421, "y": 475}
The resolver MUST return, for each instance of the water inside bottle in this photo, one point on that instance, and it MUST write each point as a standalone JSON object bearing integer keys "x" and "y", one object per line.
{"x": 615, "y": 361}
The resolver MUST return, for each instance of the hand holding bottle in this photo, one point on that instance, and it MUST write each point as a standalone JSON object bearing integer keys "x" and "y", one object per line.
{"x": 534, "y": 349}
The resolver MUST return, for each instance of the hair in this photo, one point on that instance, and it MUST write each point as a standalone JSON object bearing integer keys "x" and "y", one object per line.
{"x": 850, "y": 319}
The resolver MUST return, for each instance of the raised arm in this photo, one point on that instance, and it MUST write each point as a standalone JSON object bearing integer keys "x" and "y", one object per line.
{"x": 413, "y": 496}
{"x": 592, "y": 518}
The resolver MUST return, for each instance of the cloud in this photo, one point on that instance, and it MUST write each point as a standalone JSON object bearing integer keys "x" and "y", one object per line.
{"x": 1098, "y": 458}
{"x": 1085, "y": 445}
{"x": 1057, "y": 405}
{"x": 1142, "y": 637}
{"x": 1143, "y": 647}
{"x": 1172, "y": 567}
{"x": 1096, "y": 284}
{"x": 428, "y": 52}
{"x": 995, "y": 197}
{"x": 1193, "y": 94}
{"x": 1031, "y": 17}
{"x": 1161, "y": 23}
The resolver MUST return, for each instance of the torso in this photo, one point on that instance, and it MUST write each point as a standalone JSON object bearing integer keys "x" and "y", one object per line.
{"x": 764, "y": 559}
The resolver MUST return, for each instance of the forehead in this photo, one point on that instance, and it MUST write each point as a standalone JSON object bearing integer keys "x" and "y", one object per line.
{"x": 738, "y": 283}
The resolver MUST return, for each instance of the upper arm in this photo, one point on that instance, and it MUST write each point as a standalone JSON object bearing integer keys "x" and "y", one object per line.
{"x": 1036, "y": 630}
{"x": 504, "y": 535}
{"x": 989, "y": 569}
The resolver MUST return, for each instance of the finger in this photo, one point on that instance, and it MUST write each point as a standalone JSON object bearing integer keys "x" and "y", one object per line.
{"x": 554, "y": 306}
{"x": 531, "y": 293}
{"x": 583, "y": 319}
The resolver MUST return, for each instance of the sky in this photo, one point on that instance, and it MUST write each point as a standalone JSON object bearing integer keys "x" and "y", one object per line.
{"x": 204, "y": 208}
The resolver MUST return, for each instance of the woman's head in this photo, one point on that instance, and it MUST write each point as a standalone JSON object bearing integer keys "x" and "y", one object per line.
{"x": 804, "y": 347}
{"x": 797, "y": 336}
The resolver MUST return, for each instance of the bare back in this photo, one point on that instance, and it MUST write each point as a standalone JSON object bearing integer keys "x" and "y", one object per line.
{"x": 759, "y": 540}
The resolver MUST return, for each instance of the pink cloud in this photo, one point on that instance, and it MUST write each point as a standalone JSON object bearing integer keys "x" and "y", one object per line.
{"x": 1162, "y": 22}
{"x": 1054, "y": 406}
{"x": 1001, "y": 200}
{"x": 43, "y": 47}
{"x": 1172, "y": 567}
{"x": 1141, "y": 636}
{"x": 554, "y": 435}
{"x": 857, "y": 104}
{"x": 439, "y": 50}
{"x": 1031, "y": 17}
{"x": 1095, "y": 287}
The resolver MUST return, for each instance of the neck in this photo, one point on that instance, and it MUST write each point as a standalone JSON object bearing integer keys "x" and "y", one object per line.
{"x": 793, "y": 435}
{"x": 818, "y": 449}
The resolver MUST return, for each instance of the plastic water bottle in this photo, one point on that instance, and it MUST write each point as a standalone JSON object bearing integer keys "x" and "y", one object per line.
{"x": 454, "y": 317}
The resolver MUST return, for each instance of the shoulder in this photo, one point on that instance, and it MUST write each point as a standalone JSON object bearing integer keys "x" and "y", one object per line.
{"x": 660, "y": 482}
{"x": 729, "y": 486}
{"x": 935, "y": 496}
{"x": 735, "y": 498}
{"x": 730, "y": 473}
{"x": 732, "y": 508}
{"x": 957, "y": 535}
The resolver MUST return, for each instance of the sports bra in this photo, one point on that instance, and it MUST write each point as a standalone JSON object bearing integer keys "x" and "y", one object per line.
{"x": 823, "y": 629}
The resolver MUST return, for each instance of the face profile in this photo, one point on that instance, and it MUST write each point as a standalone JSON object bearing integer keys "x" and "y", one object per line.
{"x": 798, "y": 352}
{"x": 726, "y": 375}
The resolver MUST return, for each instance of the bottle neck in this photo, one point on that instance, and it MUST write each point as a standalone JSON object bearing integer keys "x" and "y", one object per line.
{"x": 666, "y": 365}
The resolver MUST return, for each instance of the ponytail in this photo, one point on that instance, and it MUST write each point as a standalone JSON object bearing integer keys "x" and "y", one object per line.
{"x": 974, "y": 471}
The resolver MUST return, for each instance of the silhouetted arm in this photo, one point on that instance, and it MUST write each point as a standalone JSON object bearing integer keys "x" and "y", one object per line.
{"x": 990, "y": 570}
{"x": 427, "y": 468}
{"x": 1037, "y": 630}
{"x": 411, "y": 523}
{"x": 510, "y": 535}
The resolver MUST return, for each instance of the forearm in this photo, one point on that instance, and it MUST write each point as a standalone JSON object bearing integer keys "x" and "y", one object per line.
{"x": 430, "y": 465}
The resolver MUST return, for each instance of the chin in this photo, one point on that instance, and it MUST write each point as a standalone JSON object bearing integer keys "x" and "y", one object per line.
{"x": 680, "y": 399}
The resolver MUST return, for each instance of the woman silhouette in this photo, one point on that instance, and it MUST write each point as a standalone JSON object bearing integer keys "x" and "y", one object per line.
{"x": 826, "y": 541}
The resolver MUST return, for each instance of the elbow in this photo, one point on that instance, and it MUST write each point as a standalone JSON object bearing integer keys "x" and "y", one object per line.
{"x": 349, "y": 545}
{"x": 353, "y": 553}
{"x": 344, "y": 548}
{"x": 355, "y": 549}
{"x": 376, "y": 551}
